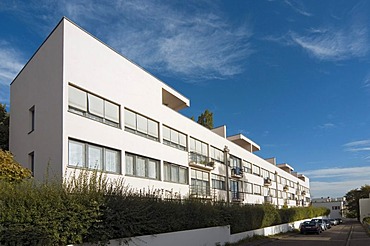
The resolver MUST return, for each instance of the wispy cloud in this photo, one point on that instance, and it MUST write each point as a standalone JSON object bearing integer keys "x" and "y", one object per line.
{"x": 334, "y": 44}
{"x": 11, "y": 63}
{"x": 356, "y": 146}
{"x": 328, "y": 125}
{"x": 193, "y": 39}
{"x": 338, "y": 181}
{"x": 298, "y": 7}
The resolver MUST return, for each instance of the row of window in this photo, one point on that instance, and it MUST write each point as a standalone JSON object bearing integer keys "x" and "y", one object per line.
{"x": 100, "y": 109}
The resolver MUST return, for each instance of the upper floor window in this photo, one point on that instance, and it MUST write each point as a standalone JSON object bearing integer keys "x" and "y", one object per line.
{"x": 248, "y": 188}
{"x": 216, "y": 154}
{"x": 93, "y": 107}
{"x": 264, "y": 173}
{"x": 198, "y": 150}
{"x": 32, "y": 118}
{"x": 141, "y": 166}
{"x": 247, "y": 167}
{"x": 235, "y": 162}
{"x": 141, "y": 125}
{"x": 256, "y": 170}
{"x": 91, "y": 156}
{"x": 256, "y": 189}
{"x": 174, "y": 138}
{"x": 175, "y": 173}
{"x": 272, "y": 176}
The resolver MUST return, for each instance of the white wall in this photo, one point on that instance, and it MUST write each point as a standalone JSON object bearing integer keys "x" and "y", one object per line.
{"x": 39, "y": 84}
{"x": 364, "y": 204}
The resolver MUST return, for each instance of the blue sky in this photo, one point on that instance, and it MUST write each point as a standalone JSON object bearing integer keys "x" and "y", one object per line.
{"x": 293, "y": 76}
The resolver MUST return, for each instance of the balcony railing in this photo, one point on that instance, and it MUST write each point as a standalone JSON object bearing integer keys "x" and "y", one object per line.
{"x": 236, "y": 172}
{"x": 200, "y": 191}
{"x": 237, "y": 196}
{"x": 200, "y": 161}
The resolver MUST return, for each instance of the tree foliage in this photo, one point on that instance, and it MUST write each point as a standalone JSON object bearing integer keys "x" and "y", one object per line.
{"x": 4, "y": 128}
{"x": 10, "y": 170}
{"x": 206, "y": 119}
{"x": 353, "y": 197}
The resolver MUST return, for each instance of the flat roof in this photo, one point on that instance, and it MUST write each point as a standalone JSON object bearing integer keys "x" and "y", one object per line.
{"x": 244, "y": 142}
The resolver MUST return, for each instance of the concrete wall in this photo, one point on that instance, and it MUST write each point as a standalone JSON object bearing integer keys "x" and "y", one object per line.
{"x": 364, "y": 208}
{"x": 203, "y": 237}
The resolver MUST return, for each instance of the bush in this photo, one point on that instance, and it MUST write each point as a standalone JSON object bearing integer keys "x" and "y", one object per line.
{"x": 10, "y": 170}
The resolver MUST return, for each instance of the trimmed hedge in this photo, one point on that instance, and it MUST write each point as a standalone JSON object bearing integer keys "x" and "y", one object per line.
{"x": 87, "y": 209}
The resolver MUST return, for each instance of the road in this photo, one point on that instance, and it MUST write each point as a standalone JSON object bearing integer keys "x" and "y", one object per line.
{"x": 350, "y": 233}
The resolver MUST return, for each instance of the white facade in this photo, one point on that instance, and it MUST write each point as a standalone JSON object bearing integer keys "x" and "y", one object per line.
{"x": 364, "y": 206}
{"x": 78, "y": 104}
{"x": 337, "y": 206}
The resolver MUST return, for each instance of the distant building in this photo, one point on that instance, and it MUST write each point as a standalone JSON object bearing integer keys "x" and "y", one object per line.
{"x": 337, "y": 206}
{"x": 364, "y": 205}
{"x": 79, "y": 105}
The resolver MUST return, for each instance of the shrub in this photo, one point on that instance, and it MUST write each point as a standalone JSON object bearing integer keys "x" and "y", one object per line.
{"x": 10, "y": 170}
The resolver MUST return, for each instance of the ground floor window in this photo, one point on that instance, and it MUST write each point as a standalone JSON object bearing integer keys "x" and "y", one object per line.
{"x": 141, "y": 166}
{"x": 218, "y": 182}
{"x": 175, "y": 173}
{"x": 92, "y": 156}
{"x": 200, "y": 184}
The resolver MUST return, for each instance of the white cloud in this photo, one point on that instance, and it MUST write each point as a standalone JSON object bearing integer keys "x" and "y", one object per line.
{"x": 193, "y": 39}
{"x": 298, "y": 7}
{"x": 327, "y": 126}
{"x": 11, "y": 63}
{"x": 335, "y": 182}
{"x": 334, "y": 44}
{"x": 362, "y": 145}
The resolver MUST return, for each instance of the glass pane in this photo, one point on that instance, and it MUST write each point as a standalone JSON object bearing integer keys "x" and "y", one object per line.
{"x": 174, "y": 173}
{"x": 183, "y": 175}
{"x": 130, "y": 119}
{"x": 129, "y": 164}
{"x": 96, "y": 105}
{"x": 152, "y": 169}
{"x": 192, "y": 144}
{"x": 111, "y": 111}
{"x": 76, "y": 154}
{"x": 142, "y": 124}
{"x": 166, "y": 133}
{"x": 193, "y": 174}
{"x": 182, "y": 139}
{"x": 77, "y": 98}
{"x": 198, "y": 146}
{"x": 153, "y": 128}
{"x": 95, "y": 157}
{"x": 111, "y": 161}
{"x": 140, "y": 166}
{"x": 204, "y": 149}
{"x": 221, "y": 156}
{"x": 167, "y": 172}
{"x": 205, "y": 176}
{"x": 174, "y": 136}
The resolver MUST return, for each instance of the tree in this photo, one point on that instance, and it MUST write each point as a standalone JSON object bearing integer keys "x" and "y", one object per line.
{"x": 206, "y": 119}
{"x": 10, "y": 170}
{"x": 353, "y": 197}
{"x": 4, "y": 128}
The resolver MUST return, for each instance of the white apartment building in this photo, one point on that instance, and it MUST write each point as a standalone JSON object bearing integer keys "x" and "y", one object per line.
{"x": 78, "y": 104}
{"x": 337, "y": 206}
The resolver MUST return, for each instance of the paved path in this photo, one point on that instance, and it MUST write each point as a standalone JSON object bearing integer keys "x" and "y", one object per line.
{"x": 350, "y": 233}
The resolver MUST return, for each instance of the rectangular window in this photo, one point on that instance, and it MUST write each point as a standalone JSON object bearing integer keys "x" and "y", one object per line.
{"x": 248, "y": 188}
{"x": 198, "y": 151}
{"x": 141, "y": 166}
{"x": 256, "y": 170}
{"x": 174, "y": 138}
{"x": 247, "y": 167}
{"x": 200, "y": 183}
{"x": 32, "y": 119}
{"x": 141, "y": 125}
{"x": 31, "y": 162}
{"x": 175, "y": 173}
{"x": 216, "y": 154}
{"x": 91, "y": 156}
{"x": 235, "y": 162}
{"x": 272, "y": 176}
{"x": 93, "y": 107}
{"x": 218, "y": 182}
{"x": 257, "y": 189}
{"x": 264, "y": 173}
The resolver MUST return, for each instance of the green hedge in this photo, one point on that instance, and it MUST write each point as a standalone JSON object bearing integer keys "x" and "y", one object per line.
{"x": 87, "y": 209}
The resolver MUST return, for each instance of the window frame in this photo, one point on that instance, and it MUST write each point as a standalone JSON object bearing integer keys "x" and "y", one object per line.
{"x": 170, "y": 141}
{"x": 146, "y": 166}
{"x": 176, "y": 167}
{"x": 140, "y": 131}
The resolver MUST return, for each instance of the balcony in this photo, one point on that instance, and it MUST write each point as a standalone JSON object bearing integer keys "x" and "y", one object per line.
{"x": 286, "y": 188}
{"x": 199, "y": 191}
{"x": 200, "y": 161}
{"x": 267, "y": 182}
{"x": 268, "y": 199}
{"x": 303, "y": 192}
{"x": 237, "y": 196}
{"x": 236, "y": 172}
